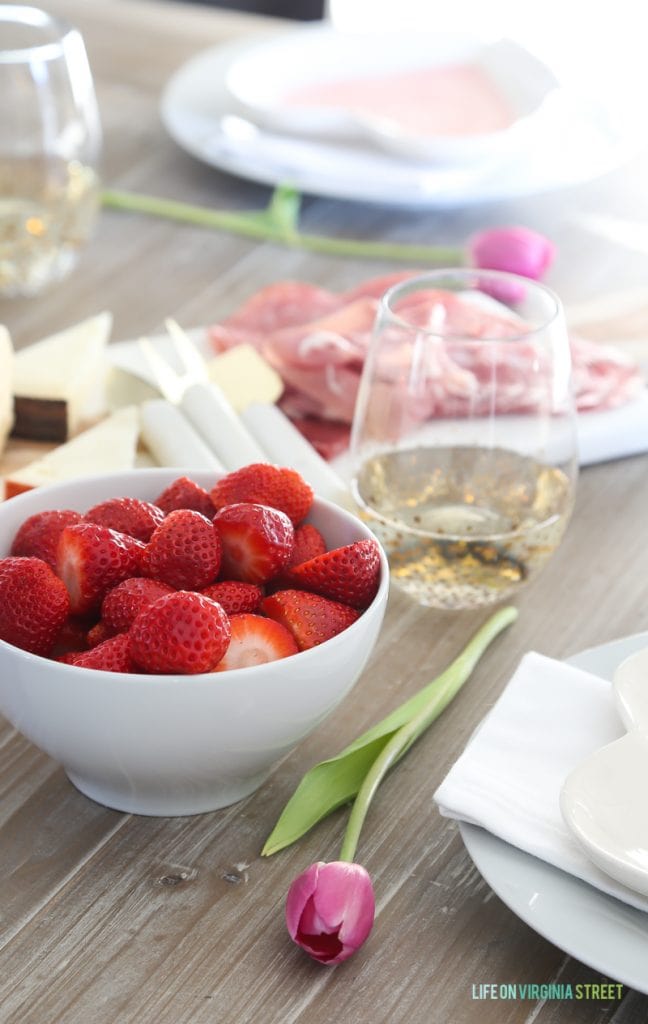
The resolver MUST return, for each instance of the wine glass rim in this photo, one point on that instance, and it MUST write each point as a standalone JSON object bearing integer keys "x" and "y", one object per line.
{"x": 34, "y": 17}
{"x": 418, "y": 281}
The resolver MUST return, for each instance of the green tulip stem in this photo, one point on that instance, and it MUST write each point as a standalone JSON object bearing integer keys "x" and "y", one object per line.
{"x": 278, "y": 223}
{"x": 444, "y": 688}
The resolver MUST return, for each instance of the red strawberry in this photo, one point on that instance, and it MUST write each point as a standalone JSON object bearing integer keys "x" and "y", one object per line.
{"x": 185, "y": 551}
{"x": 350, "y": 574}
{"x": 72, "y": 638}
{"x": 122, "y": 604}
{"x": 184, "y": 493}
{"x": 127, "y": 515}
{"x": 69, "y": 658}
{"x": 257, "y": 541}
{"x": 182, "y": 632}
{"x": 91, "y": 560}
{"x": 33, "y": 604}
{"x": 263, "y": 484}
{"x": 38, "y": 536}
{"x": 309, "y": 543}
{"x": 113, "y": 655}
{"x": 235, "y": 597}
{"x": 256, "y": 640}
{"x": 310, "y": 618}
{"x": 99, "y": 632}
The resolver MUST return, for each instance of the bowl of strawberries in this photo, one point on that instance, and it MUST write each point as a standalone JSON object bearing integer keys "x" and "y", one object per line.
{"x": 168, "y": 639}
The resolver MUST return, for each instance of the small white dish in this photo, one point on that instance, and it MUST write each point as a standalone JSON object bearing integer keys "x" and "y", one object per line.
{"x": 603, "y": 801}
{"x": 267, "y": 80}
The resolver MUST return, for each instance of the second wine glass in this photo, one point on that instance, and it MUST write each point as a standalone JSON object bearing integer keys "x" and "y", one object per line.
{"x": 464, "y": 439}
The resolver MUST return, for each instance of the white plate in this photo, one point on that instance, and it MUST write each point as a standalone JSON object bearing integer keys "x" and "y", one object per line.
{"x": 602, "y": 932}
{"x": 578, "y": 143}
{"x": 316, "y": 55}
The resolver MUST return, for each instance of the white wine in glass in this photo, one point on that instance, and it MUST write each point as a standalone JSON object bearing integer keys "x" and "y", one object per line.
{"x": 464, "y": 442}
{"x": 49, "y": 146}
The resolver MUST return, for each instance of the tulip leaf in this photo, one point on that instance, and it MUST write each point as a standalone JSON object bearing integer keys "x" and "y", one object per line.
{"x": 283, "y": 210}
{"x": 322, "y": 790}
{"x": 332, "y": 783}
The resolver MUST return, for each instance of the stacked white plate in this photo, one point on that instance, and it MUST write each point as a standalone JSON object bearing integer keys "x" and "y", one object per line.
{"x": 230, "y": 106}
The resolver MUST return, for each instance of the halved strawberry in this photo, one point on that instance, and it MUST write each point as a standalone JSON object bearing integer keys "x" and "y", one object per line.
{"x": 350, "y": 574}
{"x": 180, "y": 633}
{"x": 234, "y": 596}
{"x": 121, "y": 605}
{"x": 39, "y": 535}
{"x": 91, "y": 560}
{"x": 309, "y": 543}
{"x": 184, "y": 493}
{"x": 310, "y": 618}
{"x": 33, "y": 604}
{"x": 256, "y": 640}
{"x": 263, "y": 484}
{"x": 185, "y": 551}
{"x": 257, "y": 541}
{"x": 111, "y": 655}
{"x": 127, "y": 515}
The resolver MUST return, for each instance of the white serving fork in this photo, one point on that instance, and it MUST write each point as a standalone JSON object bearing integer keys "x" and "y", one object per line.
{"x": 202, "y": 402}
{"x": 261, "y": 433}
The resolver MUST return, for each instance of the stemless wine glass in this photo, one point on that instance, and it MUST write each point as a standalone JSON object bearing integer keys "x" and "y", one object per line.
{"x": 464, "y": 440}
{"x": 49, "y": 146}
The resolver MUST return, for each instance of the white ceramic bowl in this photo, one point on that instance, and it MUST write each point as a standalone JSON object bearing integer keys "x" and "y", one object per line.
{"x": 172, "y": 745}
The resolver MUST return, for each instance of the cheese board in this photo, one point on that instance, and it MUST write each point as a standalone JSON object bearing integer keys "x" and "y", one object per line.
{"x": 166, "y": 401}
{"x": 72, "y": 389}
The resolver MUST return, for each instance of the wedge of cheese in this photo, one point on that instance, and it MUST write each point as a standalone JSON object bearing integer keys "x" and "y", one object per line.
{"x": 6, "y": 372}
{"x": 109, "y": 447}
{"x": 245, "y": 377}
{"x": 59, "y": 381}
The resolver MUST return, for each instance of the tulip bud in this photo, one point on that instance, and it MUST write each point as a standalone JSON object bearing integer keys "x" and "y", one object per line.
{"x": 330, "y": 910}
{"x": 518, "y": 250}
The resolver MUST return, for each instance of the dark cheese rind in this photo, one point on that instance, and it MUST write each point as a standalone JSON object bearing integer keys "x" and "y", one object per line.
{"x": 40, "y": 419}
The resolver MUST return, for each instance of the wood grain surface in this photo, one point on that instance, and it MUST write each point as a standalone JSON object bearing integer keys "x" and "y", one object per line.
{"x": 109, "y": 918}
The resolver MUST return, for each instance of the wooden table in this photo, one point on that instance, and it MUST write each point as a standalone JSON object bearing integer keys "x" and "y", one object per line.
{"x": 108, "y": 918}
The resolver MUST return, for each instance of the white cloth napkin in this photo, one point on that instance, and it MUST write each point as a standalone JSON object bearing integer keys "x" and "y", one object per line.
{"x": 509, "y": 777}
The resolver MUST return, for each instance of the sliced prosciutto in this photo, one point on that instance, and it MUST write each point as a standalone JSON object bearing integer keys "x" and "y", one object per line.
{"x": 274, "y": 307}
{"x": 318, "y": 339}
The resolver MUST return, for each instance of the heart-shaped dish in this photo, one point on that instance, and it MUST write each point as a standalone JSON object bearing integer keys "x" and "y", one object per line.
{"x": 320, "y": 83}
{"x": 604, "y": 800}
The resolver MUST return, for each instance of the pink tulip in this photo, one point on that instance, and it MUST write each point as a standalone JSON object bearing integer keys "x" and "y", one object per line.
{"x": 330, "y": 910}
{"x": 518, "y": 250}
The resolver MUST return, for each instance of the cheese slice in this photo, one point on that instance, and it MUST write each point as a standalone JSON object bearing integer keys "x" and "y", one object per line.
{"x": 6, "y": 372}
{"x": 245, "y": 377}
{"x": 107, "y": 448}
{"x": 59, "y": 381}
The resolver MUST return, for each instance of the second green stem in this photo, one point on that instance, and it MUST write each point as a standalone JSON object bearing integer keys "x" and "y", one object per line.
{"x": 446, "y": 687}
